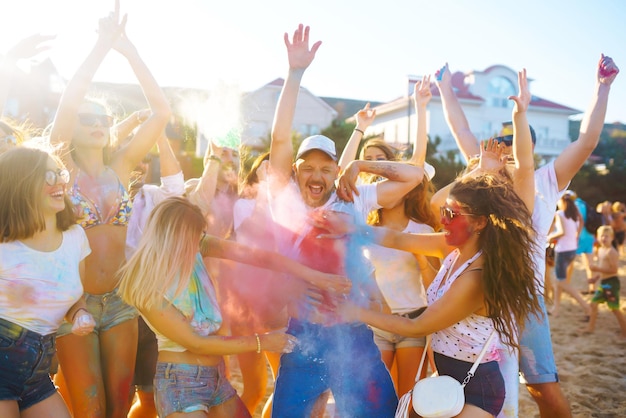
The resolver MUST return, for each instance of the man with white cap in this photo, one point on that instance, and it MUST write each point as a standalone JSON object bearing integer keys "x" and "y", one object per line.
{"x": 330, "y": 354}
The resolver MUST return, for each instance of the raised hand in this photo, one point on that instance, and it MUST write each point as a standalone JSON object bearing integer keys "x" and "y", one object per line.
{"x": 443, "y": 76}
{"x": 110, "y": 28}
{"x": 365, "y": 117}
{"x": 492, "y": 159}
{"x": 607, "y": 70}
{"x": 522, "y": 100}
{"x": 298, "y": 52}
{"x": 422, "y": 93}
{"x": 29, "y": 47}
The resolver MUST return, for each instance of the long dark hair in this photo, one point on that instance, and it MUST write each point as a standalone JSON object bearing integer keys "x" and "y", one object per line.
{"x": 508, "y": 242}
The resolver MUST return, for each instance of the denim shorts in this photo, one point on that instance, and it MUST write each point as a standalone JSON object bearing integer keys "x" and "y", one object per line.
{"x": 537, "y": 363}
{"x": 484, "y": 390}
{"x": 108, "y": 310}
{"x": 146, "y": 358}
{"x": 562, "y": 260}
{"x": 188, "y": 388}
{"x": 388, "y": 341}
{"x": 25, "y": 358}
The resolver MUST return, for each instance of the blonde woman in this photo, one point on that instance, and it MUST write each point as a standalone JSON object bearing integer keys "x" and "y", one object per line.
{"x": 177, "y": 299}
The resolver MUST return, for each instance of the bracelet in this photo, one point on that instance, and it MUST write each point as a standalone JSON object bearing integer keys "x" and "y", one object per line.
{"x": 258, "y": 343}
{"x": 358, "y": 130}
{"x": 78, "y": 310}
{"x": 215, "y": 158}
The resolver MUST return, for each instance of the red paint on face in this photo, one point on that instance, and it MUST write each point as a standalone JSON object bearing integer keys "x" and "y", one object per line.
{"x": 459, "y": 229}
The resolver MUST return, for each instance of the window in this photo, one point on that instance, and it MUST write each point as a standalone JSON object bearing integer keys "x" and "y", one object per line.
{"x": 498, "y": 91}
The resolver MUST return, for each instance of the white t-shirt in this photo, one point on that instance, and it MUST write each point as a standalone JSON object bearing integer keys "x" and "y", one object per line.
{"x": 146, "y": 199}
{"x": 38, "y": 288}
{"x": 569, "y": 240}
{"x": 398, "y": 274}
{"x": 547, "y": 194}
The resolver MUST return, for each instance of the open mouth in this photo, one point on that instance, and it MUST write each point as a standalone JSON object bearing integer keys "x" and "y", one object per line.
{"x": 316, "y": 190}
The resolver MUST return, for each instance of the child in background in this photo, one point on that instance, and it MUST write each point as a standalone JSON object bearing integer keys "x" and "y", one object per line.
{"x": 605, "y": 267}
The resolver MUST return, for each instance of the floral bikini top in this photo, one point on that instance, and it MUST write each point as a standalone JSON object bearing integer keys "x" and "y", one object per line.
{"x": 90, "y": 215}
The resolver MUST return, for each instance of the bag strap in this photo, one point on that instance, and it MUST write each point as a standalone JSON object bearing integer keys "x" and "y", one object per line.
{"x": 419, "y": 371}
{"x": 470, "y": 374}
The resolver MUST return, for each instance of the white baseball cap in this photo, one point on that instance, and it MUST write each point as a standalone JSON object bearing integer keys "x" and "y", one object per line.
{"x": 429, "y": 171}
{"x": 317, "y": 142}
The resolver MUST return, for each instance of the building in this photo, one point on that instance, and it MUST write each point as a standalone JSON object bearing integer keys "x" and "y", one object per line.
{"x": 484, "y": 98}
{"x": 257, "y": 109}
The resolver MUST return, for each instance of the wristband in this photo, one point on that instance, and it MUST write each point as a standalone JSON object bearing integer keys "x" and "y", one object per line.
{"x": 215, "y": 158}
{"x": 358, "y": 130}
{"x": 258, "y": 343}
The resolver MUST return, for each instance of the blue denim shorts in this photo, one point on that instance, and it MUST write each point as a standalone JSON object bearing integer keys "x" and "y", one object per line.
{"x": 484, "y": 390}
{"x": 562, "y": 260}
{"x": 25, "y": 359}
{"x": 108, "y": 310}
{"x": 537, "y": 363}
{"x": 188, "y": 388}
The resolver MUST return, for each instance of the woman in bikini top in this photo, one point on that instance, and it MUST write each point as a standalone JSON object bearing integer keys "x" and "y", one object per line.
{"x": 82, "y": 133}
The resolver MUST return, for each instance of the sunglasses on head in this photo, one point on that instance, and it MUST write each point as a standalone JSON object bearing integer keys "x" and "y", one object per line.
{"x": 8, "y": 139}
{"x": 53, "y": 176}
{"x": 448, "y": 214}
{"x": 506, "y": 140}
{"x": 89, "y": 119}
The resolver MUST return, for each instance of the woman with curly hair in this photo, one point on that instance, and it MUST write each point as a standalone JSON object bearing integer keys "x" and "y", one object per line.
{"x": 486, "y": 283}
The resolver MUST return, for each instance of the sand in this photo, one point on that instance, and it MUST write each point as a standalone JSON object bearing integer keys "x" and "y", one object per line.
{"x": 592, "y": 367}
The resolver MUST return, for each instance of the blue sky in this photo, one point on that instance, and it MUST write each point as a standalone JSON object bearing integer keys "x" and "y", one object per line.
{"x": 369, "y": 47}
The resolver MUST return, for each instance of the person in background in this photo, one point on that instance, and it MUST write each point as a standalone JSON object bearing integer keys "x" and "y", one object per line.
{"x": 42, "y": 253}
{"x": 605, "y": 267}
{"x": 99, "y": 177}
{"x": 145, "y": 198}
{"x": 567, "y": 225}
{"x": 399, "y": 273}
{"x": 618, "y": 223}
{"x": 586, "y": 241}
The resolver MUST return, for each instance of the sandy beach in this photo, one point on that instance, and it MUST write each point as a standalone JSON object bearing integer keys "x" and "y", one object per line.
{"x": 592, "y": 367}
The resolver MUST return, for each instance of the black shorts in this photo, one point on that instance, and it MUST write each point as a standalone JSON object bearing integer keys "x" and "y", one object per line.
{"x": 147, "y": 353}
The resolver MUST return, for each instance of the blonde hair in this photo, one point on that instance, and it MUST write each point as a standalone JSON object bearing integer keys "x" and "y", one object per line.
{"x": 165, "y": 255}
{"x": 603, "y": 228}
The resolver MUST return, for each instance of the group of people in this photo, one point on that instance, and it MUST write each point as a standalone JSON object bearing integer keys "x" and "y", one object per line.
{"x": 336, "y": 267}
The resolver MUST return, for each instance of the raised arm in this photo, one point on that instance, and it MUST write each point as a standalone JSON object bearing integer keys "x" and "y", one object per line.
{"x": 300, "y": 57}
{"x": 146, "y": 135}
{"x": 364, "y": 119}
{"x": 421, "y": 98}
{"x": 400, "y": 177}
{"x": 24, "y": 49}
{"x": 203, "y": 193}
{"x": 455, "y": 117}
{"x": 524, "y": 172}
{"x": 109, "y": 30}
{"x": 575, "y": 154}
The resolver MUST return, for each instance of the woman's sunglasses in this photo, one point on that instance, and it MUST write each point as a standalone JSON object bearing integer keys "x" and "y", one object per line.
{"x": 89, "y": 119}
{"x": 448, "y": 214}
{"x": 506, "y": 140}
{"x": 53, "y": 176}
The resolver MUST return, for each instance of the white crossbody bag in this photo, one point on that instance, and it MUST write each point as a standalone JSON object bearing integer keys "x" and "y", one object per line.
{"x": 438, "y": 396}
